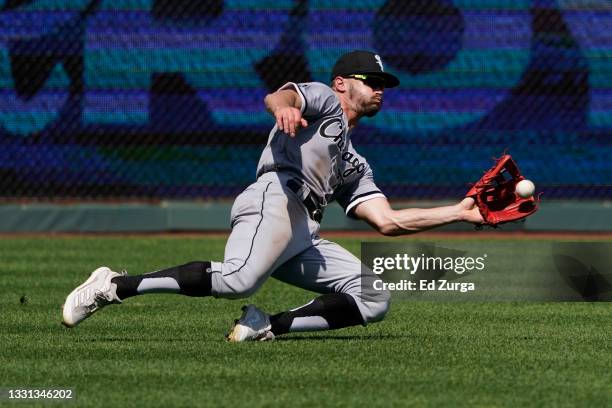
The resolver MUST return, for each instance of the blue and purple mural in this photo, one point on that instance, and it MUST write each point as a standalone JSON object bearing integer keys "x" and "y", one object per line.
{"x": 163, "y": 99}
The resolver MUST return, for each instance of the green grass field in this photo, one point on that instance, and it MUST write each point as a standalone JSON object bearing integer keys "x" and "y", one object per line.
{"x": 168, "y": 350}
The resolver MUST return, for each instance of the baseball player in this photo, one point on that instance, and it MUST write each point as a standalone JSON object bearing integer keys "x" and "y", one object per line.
{"x": 309, "y": 161}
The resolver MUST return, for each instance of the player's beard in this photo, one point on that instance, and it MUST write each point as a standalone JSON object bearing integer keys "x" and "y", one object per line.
{"x": 372, "y": 108}
{"x": 364, "y": 106}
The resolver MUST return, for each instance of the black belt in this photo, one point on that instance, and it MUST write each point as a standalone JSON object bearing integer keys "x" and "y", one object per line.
{"x": 315, "y": 211}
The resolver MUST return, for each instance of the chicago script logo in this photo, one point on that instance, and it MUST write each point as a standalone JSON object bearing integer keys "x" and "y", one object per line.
{"x": 333, "y": 129}
{"x": 354, "y": 162}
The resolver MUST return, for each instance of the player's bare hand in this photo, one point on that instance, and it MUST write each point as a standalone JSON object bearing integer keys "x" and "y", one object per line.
{"x": 289, "y": 120}
{"x": 469, "y": 211}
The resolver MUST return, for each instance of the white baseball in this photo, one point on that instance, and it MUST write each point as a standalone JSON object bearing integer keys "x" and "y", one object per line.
{"x": 525, "y": 188}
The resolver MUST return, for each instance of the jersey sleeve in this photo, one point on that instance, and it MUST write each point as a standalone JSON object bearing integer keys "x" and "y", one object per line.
{"x": 361, "y": 189}
{"x": 317, "y": 99}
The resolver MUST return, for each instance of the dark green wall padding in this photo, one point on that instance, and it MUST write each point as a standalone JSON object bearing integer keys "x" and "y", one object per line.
{"x": 214, "y": 216}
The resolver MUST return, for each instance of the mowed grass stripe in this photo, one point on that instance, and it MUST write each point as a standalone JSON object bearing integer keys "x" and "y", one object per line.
{"x": 164, "y": 350}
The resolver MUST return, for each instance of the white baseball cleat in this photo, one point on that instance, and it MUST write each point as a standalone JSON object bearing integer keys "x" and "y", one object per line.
{"x": 95, "y": 293}
{"x": 253, "y": 325}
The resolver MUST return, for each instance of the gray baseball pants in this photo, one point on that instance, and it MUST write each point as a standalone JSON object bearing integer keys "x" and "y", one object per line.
{"x": 272, "y": 235}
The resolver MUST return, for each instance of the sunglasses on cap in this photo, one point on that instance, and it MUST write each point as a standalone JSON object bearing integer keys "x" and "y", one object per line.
{"x": 374, "y": 82}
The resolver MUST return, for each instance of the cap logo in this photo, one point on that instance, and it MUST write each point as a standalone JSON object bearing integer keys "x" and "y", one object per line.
{"x": 379, "y": 62}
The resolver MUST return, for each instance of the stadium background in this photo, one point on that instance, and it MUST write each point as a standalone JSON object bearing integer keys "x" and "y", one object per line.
{"x": 159, "y": 99}
{"x": 147, "y": 116}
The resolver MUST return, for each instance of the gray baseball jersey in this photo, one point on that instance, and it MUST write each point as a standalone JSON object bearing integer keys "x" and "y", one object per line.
{"x": 321, "y": 154}
{"x": 272, "y": 232}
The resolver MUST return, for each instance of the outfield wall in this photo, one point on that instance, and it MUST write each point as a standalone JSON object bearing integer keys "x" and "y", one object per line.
{"x": 168, "y": 216}
{"x": 161, "y": 100}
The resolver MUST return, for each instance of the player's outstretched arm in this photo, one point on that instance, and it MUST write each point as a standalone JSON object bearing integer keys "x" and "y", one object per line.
{"x": 378, "y": 213}
{"x": 285, "y": 105}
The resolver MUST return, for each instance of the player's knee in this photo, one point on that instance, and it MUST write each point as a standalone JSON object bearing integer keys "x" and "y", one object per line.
{"x": 377, "y": 309}
{"x": 244, "y": 292}
{"x": 379, "y": 312}
{"x": 234, "y": 286}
